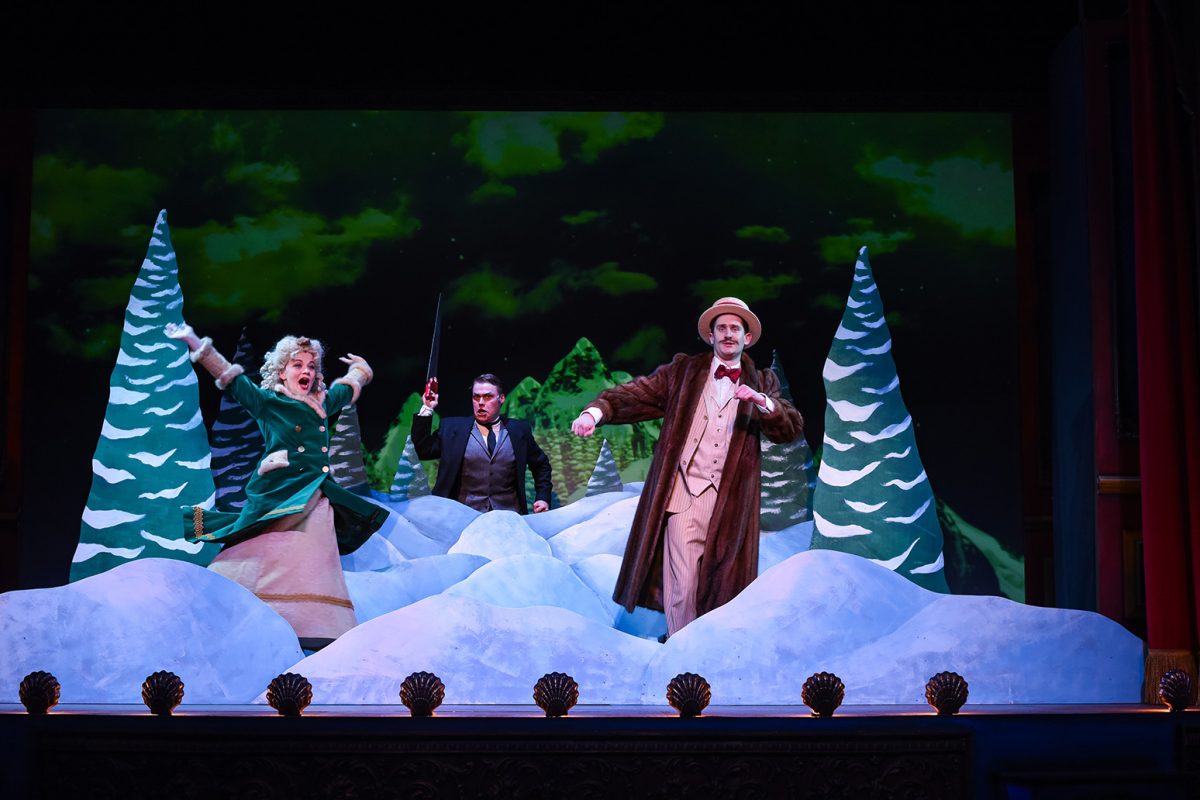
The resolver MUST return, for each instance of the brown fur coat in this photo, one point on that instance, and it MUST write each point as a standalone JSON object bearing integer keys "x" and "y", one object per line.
{"x": 730, "y": 560}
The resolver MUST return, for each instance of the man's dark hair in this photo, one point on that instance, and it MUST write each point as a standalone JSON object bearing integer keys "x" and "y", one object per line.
{"x": 488, "y": 377}
{"x": 712, "y": 324}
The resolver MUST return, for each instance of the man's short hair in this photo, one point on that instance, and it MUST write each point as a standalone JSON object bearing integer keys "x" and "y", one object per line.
{"x": 712, "y": 326}
{"x": 488, "y": 377}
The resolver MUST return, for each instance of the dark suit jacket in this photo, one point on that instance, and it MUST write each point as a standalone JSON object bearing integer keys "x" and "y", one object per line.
{"x": 449, "y": 444}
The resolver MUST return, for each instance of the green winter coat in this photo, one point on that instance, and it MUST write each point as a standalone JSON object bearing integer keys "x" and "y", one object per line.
{"x": 294, "y": 433}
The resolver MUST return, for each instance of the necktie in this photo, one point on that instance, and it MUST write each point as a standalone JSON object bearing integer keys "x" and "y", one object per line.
{"x": 491, "y": 440}
{"x": 725, "y": 372}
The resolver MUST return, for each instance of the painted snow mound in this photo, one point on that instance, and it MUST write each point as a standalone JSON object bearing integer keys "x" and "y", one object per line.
{"x": 532, "y": 580}
{"x": 606, "y": 532}
{"x": 555, "y": 521}
{"x": 499, "y": 534}
{"x": 101, "y": 636}
{"x": 375, "y": 593}
{"x": 483, "y": 653}
{"x": 884, "y": 636}
{"x": 491, "y": 623}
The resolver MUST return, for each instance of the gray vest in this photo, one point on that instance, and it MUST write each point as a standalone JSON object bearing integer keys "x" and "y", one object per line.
{"x": 488, "y": 483}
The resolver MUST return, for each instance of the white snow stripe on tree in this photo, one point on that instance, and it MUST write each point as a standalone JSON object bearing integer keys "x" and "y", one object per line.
{"x": 835, "y": 372}
{"x": 110, "y": 474}
{"x": 170, "y": 494}
{"x": 126, "y": 360}
{"x": 88, "y": 550}
{"x": 886, "y": 347}
{"x": 828, "y": 529}
{"x": 200, "y": 463}
{"x": 887, "y": 433}
{"x": 843, "y": 477}
{"x": 895, "y": 563}
{"x": 906, "y": 485}
{"x": 884, "y": 390}
{"x": 911, "y": 517}
{"x": 195, "y": 422}
{"x": 164, "y": 412}
{"x": 150, "y": 459}
{"x": 190, "y": 380}
{"x": 110, "y": 431}
{"x": 851, "y": 412}
{"x": 845, "y": 333}
{"x": 836, "y": 445}
{"x": 106, "y": 519}
{"x": 936, "y": 566}
{"x": 173, "y": 544}
{"x": 865, "y": 508}
{"x": 120, "y": 396}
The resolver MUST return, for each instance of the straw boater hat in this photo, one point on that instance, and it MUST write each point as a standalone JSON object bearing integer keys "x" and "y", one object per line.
{"x": 729, "y": 305}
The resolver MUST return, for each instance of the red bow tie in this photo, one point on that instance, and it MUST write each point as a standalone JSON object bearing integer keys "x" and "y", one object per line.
{"x": 725, "y": 372}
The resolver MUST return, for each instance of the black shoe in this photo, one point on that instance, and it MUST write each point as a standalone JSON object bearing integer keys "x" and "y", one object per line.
{"x": 663, "y": 639}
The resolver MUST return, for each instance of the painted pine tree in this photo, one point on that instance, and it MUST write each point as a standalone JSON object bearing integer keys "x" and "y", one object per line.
{"x": 152, "y": 457}
{"x": 788, "y": 475}
{"x": 605, "y": 477}
{"x": 237, "y": 443}
{"x": 873, "y": 497}
{"x": 410, "y": 480}
{"x": 382, "y": 466}
{"x": 345, "y": 453}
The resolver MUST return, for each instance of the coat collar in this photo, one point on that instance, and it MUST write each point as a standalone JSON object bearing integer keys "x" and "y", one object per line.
{"x": 315, "y": 401}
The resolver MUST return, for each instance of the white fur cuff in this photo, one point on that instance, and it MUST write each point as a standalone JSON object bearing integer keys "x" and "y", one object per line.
{"x": 227, "y": 377}
{"x": 203, "y": 350}
{"x": 357, "y": 376}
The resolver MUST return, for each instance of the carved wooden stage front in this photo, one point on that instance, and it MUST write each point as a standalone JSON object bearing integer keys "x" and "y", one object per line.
{"x": 98, "y": 752}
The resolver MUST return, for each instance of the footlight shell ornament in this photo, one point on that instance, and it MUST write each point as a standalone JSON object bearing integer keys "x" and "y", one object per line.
{"x": 689, "y": 694}
{"x": 947, "y": 692}
{"x": 556, "y": 693}
{"x": 422, "y": 692}
{"x": 823, "y": 692}
{"x": 162, "y": 692}
{"x": 39, "y": 692}
{"x": 289, "y": 694}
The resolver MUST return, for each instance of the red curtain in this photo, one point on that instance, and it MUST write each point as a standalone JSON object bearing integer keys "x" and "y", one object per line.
{"x": 1168, "y": 366}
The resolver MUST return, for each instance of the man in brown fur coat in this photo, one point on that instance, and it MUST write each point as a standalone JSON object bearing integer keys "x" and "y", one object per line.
{"x": 694, "y": 541}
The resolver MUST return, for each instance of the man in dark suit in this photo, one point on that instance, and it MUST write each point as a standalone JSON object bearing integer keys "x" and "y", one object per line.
{"x": 483, "y": 457}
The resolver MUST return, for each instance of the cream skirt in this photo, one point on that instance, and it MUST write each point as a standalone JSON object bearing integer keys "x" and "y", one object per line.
{"x": 293, "y": 566}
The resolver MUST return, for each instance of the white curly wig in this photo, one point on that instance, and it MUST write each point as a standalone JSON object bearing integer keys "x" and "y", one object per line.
{"x": 284, "y": 350}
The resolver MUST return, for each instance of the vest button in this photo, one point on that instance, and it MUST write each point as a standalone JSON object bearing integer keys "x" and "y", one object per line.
{"x": 297, "y": 429}
{"x": 300, "y": 449}
{"x": 325, "y": 469}
{"x": 324, "y": 449}
{"x": 321, "y": 429}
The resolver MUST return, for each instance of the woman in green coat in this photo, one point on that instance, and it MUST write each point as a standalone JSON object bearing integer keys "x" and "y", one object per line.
{"x": 284, "y": 544}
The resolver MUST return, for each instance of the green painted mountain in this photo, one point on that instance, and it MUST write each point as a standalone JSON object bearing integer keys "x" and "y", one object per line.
{"x": 519, "y": 401}
{"x": 976, "y": 562}
{"x": 572, "y": 383}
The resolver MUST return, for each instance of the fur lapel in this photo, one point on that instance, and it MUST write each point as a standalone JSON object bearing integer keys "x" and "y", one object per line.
{"x": 314, "y": 400}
